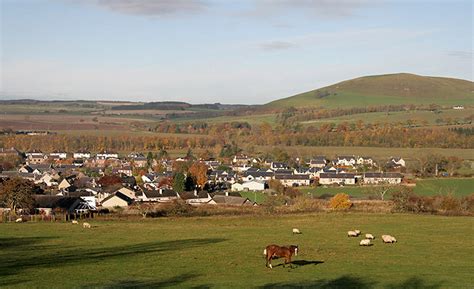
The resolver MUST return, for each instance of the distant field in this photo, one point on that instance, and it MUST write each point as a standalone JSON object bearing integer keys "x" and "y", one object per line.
{"x": 375, "y": 152}
{"x": 427, "y": 187}
{"x": 226, "y": 252}
{"x": 397, "y": 117}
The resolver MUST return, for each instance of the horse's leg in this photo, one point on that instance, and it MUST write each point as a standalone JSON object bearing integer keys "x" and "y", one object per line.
{"x": 269, "y": 261}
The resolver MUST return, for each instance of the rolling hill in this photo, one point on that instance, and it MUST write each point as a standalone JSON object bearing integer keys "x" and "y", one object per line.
{"x": 401, "y": 88}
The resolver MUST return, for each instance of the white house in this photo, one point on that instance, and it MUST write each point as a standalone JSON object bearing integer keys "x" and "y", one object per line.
{"x": 346, "y": 161}
{"x": 107, "y": 155}
{"x": 58, "y": 154}
{"x": 116, "y": 200}
{"x": 82, "y": 155}
{"x": 278, "y": 166}
{"x": 318, "y": 162}
{"x": 248, "y": 186}
{"x": 396, "y": 162}
{"x": 337, "y": 178}
{"x": 368, "y": 161}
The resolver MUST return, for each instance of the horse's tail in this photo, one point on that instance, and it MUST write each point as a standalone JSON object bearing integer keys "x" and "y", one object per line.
{"x": 265, "y": 252}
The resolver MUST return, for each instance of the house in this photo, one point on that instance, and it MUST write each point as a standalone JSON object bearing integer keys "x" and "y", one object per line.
{"x": 240, "y": 159}
{"x": 230, "y": 201}
{"x": 48, "y": 179}
{"x": 196, "y": 199}
{"x": 458, "y": 107}
{"x": 276, "y": 166}
{"x": 59, "y": 154}
{"x": 124, "y": 170}
{"x": 72, "y": 205}
{"x": 138, "y": 160}
{"x": 345, "y": 161}
{"x": 248, "y": 186}
{"x": 365, "y": 161}
{"x": 36, "y": 157}
{"x": 337, "y": 178}
{"x": 82, "y": 154}
{"x": 257, "y": 175}
{"x": 396, "y": 162}
{"x": 318, "y": 162}
{"x": 117, "y": 200}
{"x": 25, "y": 169}
{"x": 103, "y": 155}
{"x": 212, "y": 164}
{"x": 219, "y": 176}
{"x": 240, "y": 168}
{"x": 127, "y": 192}
{"x": 160, "y": 195}
{"x": 293, "y": 180}
{"x": 87, "y": 195}
{"x": 383, "y": 178}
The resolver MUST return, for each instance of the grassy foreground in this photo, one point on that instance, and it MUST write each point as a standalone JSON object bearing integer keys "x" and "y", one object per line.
{"x": 212, "y": 252}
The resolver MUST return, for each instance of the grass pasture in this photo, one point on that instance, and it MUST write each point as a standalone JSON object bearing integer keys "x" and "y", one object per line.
{"x": 226, "y": 252}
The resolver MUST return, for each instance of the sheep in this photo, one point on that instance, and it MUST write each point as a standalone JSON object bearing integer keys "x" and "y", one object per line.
{"x": 388, "y": 239}
{"x": 86, "y": 225}
{"x": 296, "y": 231}
{"x": 19, "y": 220}
{"x": 75, "y": 222}
{"x": 352, "y": 234}
{"x": 357, "y": 232}
{"x": 365, "y": 242}
{"x": 369, "y": 236}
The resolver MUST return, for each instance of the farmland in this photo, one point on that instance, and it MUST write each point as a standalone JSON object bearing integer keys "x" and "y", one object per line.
{"x": 226, "y": 252}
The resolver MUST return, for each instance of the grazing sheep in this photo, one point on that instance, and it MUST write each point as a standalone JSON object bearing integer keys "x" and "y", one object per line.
{"x": 86, "y": 225}
{"x": 75, "y": 222}
{"x": 388, "y": 239}
{"x": 352, "y": 234}
{"x": 369, "y": 236}
{"x": 365, "y": 242}
{"x": 357, "y": 232}
{"x": 296, "y": 231}
{"x": 19, "y": 220}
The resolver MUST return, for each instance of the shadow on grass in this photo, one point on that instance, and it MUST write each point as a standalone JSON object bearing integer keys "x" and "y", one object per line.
{"x": 131, "y": 284}
{"x": 26, "y": 243}
{"x": 15, "y": 261}
{"x": 352, "y": 282}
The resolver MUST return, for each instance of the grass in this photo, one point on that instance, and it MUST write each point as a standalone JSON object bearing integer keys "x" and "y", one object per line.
{"x": 385, "y": 90}
{"x": 426, "y": 187}
{"x": 432, "y": 252}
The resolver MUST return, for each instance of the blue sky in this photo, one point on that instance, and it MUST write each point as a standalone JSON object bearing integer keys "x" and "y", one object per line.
{"x": 222, "y": 51}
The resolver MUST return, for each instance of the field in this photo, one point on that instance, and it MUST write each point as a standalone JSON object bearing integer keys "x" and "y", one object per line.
{"x": 226, "y": 252}
{"x": 426, "y": 187}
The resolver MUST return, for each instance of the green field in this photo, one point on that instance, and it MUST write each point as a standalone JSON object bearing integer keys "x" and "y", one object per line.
{"x": 226, "y": 252}
{"x": 427, "y": 187}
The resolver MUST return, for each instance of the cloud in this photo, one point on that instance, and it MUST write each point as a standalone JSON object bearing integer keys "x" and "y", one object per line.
{"x": 463, "y": 55}
{"x": 276, "y": 45}
{"x": 318, "y": 8}
{"x": 153, "y": 7}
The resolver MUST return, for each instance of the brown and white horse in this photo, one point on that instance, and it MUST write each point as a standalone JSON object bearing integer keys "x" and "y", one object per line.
{"x": 275, "y": 251}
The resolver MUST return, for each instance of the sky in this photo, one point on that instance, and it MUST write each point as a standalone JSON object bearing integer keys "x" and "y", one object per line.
{"x": 226, "y": 51}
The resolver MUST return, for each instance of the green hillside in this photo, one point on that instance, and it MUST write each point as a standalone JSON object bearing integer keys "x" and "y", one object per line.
{"x": 402, "y": 88}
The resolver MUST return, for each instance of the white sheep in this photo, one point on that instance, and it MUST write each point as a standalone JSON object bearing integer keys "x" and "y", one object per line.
{"x": 369, "y": 236}
{"x": 86, "y": 225}
{"x": 388, "y": 239}
{"x": 357, "y": 232}
{"x": 75, "y": 222}
{"x": 296, "y": 231}
{"x": 19, "y": 220}
{"x": 364, "y": 242}
{"x": 352, "y": 234}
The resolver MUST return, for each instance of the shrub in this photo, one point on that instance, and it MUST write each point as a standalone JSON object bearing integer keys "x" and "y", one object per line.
{"x": 305, "y": 204}
{"x": 340, "y": 202}
{"x": 172, "y": 209}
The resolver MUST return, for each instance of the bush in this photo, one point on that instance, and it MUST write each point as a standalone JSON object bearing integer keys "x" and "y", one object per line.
{"x": 340, "y": 202}
{"x": 305, "y": 204}
{"x": 172, "y": 209}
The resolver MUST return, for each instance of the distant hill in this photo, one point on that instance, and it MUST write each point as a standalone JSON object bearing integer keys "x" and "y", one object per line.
{"x": 401, "y": 88}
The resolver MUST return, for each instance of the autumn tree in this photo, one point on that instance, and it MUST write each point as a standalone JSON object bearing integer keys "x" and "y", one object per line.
{"x": 17, "y": 193}
{"x": 198, "y": 172}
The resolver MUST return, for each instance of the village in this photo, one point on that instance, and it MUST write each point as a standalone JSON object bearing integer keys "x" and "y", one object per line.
{"x": 80, "y": 182}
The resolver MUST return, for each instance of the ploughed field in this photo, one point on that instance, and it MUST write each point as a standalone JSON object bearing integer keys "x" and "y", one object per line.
{"x": 226, "y": 252}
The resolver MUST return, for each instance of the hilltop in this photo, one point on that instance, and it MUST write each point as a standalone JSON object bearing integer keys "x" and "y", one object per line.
{"x": 401, "y": 88}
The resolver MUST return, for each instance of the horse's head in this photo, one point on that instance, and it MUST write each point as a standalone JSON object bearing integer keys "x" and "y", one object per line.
{"x": 294, "y": 249}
